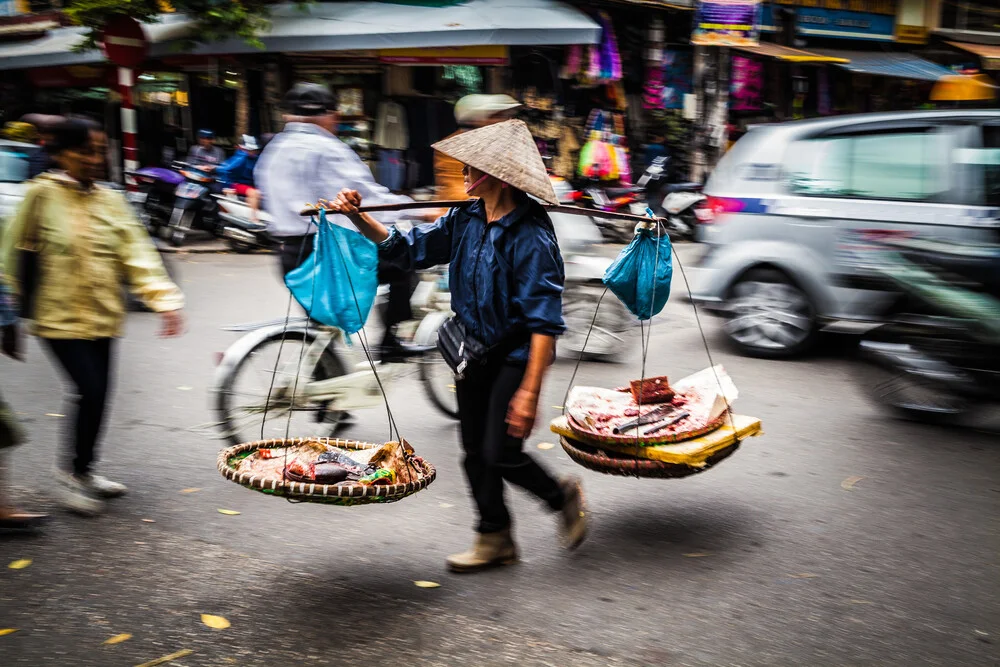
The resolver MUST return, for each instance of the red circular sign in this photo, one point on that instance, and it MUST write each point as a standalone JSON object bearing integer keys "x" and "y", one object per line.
{"x": 124, "y": 42}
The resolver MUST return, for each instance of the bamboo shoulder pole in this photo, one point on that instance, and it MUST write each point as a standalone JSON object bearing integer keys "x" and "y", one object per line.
{"x": 313, "y": 209}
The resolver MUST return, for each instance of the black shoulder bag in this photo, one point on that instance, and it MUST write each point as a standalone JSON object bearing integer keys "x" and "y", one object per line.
{"x": 464, "y": 353}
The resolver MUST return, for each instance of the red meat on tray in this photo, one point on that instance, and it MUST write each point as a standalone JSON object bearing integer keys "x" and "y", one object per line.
{"x": 652, "y": 390}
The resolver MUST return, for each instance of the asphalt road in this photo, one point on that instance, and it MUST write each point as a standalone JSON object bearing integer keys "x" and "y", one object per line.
{"x": 839, "y": 537}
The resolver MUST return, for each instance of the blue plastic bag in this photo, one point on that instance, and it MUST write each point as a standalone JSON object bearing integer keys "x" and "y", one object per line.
{"x": 336, "y": 285}
{"x": 640, "y": 275}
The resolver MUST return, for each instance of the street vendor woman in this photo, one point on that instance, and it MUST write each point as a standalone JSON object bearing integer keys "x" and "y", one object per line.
{"x": 506, "y": 282}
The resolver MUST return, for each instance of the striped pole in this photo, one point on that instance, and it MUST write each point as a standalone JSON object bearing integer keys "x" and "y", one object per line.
{"x": 130, "y": 145}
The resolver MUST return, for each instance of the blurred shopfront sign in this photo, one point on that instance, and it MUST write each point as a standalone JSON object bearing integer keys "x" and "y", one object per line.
{"x": 457, "y": 55}
{"x": 73, "y": 76}
{"x": 726, "y": 23}
{"x": 836, "y": 23}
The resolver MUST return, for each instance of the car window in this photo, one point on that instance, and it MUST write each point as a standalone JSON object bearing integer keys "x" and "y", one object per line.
{"x": 980, "y": 166}
{"x": 820, "y": 167}
{"x": 899, "y": 165}
{"x": 13, "y": 165}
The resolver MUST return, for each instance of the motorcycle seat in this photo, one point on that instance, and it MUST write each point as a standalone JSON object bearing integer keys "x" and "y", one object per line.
{"x": 683, "y": 187}
{"x": 621, "y": 192}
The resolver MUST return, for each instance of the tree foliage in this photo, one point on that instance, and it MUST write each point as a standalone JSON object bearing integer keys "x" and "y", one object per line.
{"x": 214, "y": 20}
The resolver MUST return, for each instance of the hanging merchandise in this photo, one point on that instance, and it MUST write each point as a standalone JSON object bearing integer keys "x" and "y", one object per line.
{"x": 610, "y": 58}
{"x": 391, "y": 127}
{"x": 574, "y": 60}
{"x": 593, "y": 73}
{"x": 564, "y": 165}
{"x": 653, "y": 92}
{"x": 595, "y": 158}
{"x": 640, "y": 276}
{"x": 746, "y": 84}
{"x": 605, "y": 157}
{"x": 677, "y": 79}
{"x": 336, "y": 285}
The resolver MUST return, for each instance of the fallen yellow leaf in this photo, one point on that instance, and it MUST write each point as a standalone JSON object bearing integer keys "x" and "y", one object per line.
{"x": 557, "y": 407}
{"x": 215, "y": 622}
{"x": 228, "y": 512}
{"x": 7, "y": 631}
{"x": 20, "y": 564}
{"x": 53, "y": 414}
{"x": 427, "y": 584}
{"x": 848, "y": 484}
{"x": 191, "y": 490}
{"x": 183, "y": 653}
{"x": 545, "y": 445}
{"x": 149, "y": 520}
{"x": 697, "y": 554}
{"x": 117, "y": 639}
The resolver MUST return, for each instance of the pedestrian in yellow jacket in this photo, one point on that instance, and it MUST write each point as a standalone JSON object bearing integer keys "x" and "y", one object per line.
{"x": 89, "y": 247}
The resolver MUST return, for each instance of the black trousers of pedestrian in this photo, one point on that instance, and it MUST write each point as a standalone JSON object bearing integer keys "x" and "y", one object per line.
{"x": 87, "y": 364}
{"x": 491, "y": 455}
{"x": 296, "y": 249}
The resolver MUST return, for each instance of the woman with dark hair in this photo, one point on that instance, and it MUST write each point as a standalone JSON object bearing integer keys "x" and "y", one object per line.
{"x": 87, "y": 243}
{"x": 507, "y": 278}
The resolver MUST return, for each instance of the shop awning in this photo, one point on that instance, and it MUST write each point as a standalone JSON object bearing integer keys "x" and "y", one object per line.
{"x": 990, "y": 53}
{"x": 788, "y": 54}
{"x": 900, "y": 65}
{"x": 348, "y": 26}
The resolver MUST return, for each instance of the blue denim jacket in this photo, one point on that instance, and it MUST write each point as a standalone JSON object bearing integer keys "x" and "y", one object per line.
{"x": 505, "y": 277}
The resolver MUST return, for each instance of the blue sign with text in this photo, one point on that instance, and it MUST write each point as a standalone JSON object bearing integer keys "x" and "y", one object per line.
{"x": 818, "y": 22}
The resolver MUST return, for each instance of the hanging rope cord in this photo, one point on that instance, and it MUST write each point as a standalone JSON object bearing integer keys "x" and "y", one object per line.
{"x": 363, "y": 337}
{"x": 644, "y": 340}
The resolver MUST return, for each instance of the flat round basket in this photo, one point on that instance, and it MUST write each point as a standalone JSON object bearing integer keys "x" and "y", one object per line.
{"x": 614, "y": 463}
{"x": 649, "y": 440}
{"x": 330, "y": 494}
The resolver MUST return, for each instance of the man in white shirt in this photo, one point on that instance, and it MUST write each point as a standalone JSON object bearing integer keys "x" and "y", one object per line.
{"x": 306, "y": 162}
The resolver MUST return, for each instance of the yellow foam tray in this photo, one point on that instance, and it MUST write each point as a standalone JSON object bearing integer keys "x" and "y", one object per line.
{"x": 692, "y": 452}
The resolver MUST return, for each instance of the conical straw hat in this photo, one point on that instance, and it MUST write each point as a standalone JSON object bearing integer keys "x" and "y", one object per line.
{"x": 506, "y": 152}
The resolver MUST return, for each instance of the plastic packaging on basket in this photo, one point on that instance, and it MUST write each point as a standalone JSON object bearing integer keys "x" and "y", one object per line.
{"x": 640, "y": 275}
{"x": 336, "y": 285}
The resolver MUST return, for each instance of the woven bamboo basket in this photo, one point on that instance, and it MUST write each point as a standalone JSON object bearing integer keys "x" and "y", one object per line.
{"x": 330, "y": 494}
{"x": 615, "y": 463}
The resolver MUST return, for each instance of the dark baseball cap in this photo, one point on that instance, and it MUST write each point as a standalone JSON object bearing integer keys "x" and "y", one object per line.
{"x": 309, "y": 99}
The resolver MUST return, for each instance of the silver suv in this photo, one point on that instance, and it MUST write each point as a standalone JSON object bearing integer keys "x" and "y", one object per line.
{"x": 786, "y": 196}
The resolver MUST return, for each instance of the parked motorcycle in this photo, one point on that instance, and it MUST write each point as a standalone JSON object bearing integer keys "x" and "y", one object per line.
{"x": 236, "y": 226}
{"x": 681, "y": 203}
{"x": 154, "y": 199}
{"x": 194, "y": 207}
{"x": 936, "y": 357}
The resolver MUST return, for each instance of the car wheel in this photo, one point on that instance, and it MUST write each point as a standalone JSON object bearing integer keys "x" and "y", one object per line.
{"x": 769, "y": 316}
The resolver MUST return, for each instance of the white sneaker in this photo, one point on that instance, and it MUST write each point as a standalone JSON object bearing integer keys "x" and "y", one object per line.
{"x": 102, "y": 487}
{"x": 77, "y": 497}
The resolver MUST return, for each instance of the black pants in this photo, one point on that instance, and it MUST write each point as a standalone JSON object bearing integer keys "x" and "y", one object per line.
{"x": 87, "y": 364}
{"x": 296, "y": 249}
{"x": 492, "y": 456}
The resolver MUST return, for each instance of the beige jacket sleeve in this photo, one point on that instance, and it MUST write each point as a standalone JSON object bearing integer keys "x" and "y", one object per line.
{"x": 144, "y": 272}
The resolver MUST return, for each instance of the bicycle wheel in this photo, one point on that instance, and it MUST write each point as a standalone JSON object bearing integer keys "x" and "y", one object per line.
{"x": 246, "y": 414}
{"x": 439, "y": 383}
{"x": 605, "y": 341}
